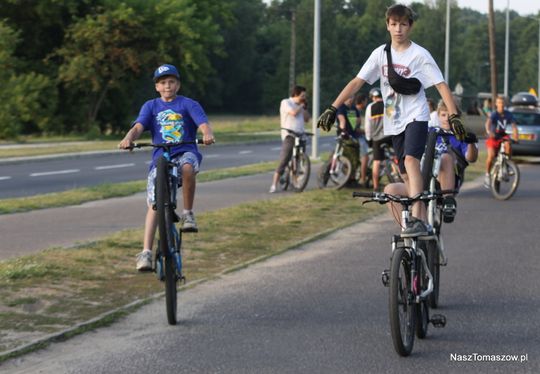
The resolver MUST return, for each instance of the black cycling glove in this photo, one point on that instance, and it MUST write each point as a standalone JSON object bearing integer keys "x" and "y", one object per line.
{"x": 470, "y": 138}
{"x": 327, "y": 119}
{"x": 457, "y": 127}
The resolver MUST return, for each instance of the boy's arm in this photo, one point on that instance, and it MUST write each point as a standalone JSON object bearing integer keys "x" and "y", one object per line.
{"x": 327, "y": 119}
{"x": 488, "y": 127}
{"x": 208, "y": 134}
{"x": 453, "y": 118}
{"x": 133, "y": 134}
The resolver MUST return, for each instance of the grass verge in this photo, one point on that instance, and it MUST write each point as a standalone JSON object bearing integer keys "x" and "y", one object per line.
{"x": 108, "y": 190}
{"x": 48, "y": 292}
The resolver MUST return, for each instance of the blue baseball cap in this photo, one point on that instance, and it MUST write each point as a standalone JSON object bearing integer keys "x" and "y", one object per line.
{"x": 166, "y": 69}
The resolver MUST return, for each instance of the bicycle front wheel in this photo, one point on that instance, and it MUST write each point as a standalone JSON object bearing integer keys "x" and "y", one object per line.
{"x": 341, "y": 173}
{"x": 504, "y": 180}
{"x": 166, "y": 237}
{"x": 401, "y": 303}
{"x": 300, "y": 172}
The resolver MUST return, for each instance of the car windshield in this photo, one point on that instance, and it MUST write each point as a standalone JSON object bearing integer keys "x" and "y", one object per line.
{"x": 527, "y": 119}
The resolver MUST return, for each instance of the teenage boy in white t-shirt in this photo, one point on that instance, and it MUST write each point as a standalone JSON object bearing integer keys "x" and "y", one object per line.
{"x": 406, "y": 113}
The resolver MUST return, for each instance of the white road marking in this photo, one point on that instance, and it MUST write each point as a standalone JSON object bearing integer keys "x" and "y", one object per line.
{"x": 69, "y": 171}
{"x": 244, "y": 152}
{"x": 275, "y": 149}
{"x": 4, "y": 178}
{"x": 211, "y": 156}
{"x": 118, "y": 166}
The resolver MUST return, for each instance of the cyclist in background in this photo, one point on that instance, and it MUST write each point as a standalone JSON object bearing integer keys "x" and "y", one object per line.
{"x": 360, "y": 103}
{"x": 375, "y": 133}
{"x": 293, "y": 114}
{"x": 496, "y": 126}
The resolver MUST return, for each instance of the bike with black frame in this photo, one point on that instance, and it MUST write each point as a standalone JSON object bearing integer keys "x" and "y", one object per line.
{"x": 298, "y": 169}
{"x": 409, "y": 278}
{"x": 167, "y": 262}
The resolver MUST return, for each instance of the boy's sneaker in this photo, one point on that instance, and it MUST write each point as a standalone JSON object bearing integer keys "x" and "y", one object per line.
{"x": 415, "y": 228}
{"x": 144, "y": 260}
{"x": 189, "y": 224}
{"x": 486, "y": 181}
{"x": 449, "y": 209}
{"x": 272, "y": 189}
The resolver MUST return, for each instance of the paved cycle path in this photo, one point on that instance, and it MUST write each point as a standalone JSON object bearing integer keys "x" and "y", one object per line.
{"x": 31, "y": 232}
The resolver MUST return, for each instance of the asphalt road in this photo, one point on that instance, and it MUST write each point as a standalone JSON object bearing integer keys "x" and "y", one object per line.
{"x": 20, "y": 178}
{"x": 322, "y": 308}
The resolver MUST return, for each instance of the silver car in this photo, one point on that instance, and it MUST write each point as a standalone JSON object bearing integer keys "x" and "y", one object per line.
{"x": 527, "y": 115}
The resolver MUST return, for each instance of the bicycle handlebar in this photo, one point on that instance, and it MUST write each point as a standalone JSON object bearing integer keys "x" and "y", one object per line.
{"x": 164, "y": 145}
{"x": 383, "y": 198}
{"x": 298, "y": 134}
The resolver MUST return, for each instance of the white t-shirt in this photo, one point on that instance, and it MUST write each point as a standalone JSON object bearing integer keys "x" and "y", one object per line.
{"x": 434, "y": 119}
{"x": 294, "y": 123}
{"x": 414, "y": 62}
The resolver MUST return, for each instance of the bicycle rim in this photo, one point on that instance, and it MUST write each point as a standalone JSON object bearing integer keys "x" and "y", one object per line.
{"x": 342, "y": 172}
{"x": 504, "y": 180}
{"x": 433, "y": 260}
{"x": 301, "y": 172}
{"x": 166, "y": 238}
{"x": 401, "y": 304}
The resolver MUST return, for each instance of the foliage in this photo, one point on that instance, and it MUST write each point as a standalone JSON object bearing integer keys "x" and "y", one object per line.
{"x": 88, "y": 63}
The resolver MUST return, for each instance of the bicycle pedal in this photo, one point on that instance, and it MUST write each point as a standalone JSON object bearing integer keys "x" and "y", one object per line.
{"x": 438, "y": 320}
{"x": 385, "y": 277}
{"x": 182, "y": 279}
{"x": 191, "y": 229}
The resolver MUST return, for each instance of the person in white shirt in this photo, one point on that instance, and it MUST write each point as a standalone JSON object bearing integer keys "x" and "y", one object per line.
{"x": 293, "y": 114}
{"x": 405, "y": 70}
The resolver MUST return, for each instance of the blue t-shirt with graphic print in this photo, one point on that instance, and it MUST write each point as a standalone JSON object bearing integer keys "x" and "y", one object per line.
{"x": 171, "y": 122}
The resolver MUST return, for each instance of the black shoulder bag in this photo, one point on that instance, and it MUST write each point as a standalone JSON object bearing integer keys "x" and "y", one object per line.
{"x": 404, "y": 86}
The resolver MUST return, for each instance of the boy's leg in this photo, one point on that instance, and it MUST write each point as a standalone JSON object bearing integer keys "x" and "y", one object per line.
{"x": 188, "y": 166}
{"x": 150, "y": 225}
{"x": 447, "y": 176}
{"x": 144, "y": 258}
{"x": 188, "y": 186}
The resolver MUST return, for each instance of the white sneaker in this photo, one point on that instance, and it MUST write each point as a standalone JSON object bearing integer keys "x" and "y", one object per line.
{"x": 144, "y": 260}
{"x": 272, "y": 189}
{"x": 486, "y": 181}
{"x": 189, "y": 224}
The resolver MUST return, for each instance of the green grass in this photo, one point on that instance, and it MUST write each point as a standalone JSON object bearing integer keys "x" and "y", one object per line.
{"x": 58, "y": 288}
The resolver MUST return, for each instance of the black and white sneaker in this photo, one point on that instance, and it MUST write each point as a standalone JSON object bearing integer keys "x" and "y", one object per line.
{"x": 449, "y": 209}
{"x": 415, "y": 228}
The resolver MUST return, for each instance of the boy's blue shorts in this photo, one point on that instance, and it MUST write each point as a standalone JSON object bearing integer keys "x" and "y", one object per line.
{"x": 185, "y": 158}
{"x": 411, "y": 142}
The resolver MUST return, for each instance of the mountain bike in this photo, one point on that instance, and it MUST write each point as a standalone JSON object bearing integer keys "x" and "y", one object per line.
{"x": 168, "y": 256}
{"x": 298, "y": 169}
{"x": 431, "y": 165}
{"x": 409, "y": 279}
{"x": 504, "y": 174}
{"x": 389, "y": 166}
{"x": 338, "y": 169}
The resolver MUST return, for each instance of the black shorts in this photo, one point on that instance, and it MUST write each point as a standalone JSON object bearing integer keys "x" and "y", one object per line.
{"x": 378, "y": 153}
{"x": 411, "y": 142}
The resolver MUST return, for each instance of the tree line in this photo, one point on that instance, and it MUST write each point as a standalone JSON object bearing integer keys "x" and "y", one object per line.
{"x": 85, "y": 66}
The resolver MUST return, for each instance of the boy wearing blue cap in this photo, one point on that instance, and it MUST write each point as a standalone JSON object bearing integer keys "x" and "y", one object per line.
{"x": 170, "y": 118}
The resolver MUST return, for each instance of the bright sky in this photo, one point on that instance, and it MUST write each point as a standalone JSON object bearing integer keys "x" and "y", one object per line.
{"x": 523, "y": 7}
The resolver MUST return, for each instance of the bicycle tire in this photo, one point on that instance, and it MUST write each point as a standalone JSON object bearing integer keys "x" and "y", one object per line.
{"x": 166, "y": 238}
{"x": 503, "y": 187}
{"x": 433, "y": 260}
{"x": 422, "y": 310}
{"x": 324, "y": 174}
{"x": 427, "y": 161}
{"x": 401, "y": 304}
{"x": 300, "y": 172}
{"x": 343, "y": 172}
{"x": 284, "y": 179}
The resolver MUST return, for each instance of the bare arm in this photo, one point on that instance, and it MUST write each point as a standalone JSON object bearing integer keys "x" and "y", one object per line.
{"x": 350, "y": 89}
{"x": 488, "y": 127}
{"x": 133, "y": 134}
{"x": 208, "y": 134}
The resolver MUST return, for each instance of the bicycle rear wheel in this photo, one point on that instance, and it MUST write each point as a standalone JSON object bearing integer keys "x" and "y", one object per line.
{"x": 166, "y": 238}
{"x": 401, "y": 303}
{"x": 341, "y": 173}
{"x": 300, "y": 172}
{"x": 427, "y": 160}
{"x": 504, "y": 180}
{"x": 433, "y": 261}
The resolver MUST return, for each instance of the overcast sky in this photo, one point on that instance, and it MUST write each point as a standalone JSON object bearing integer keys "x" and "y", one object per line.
{"x": 523, "y": 7}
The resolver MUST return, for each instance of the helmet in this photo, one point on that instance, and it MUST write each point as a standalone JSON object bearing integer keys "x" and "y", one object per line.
{"x": 375, "y": 92}
{"x": 166, "y": 69}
